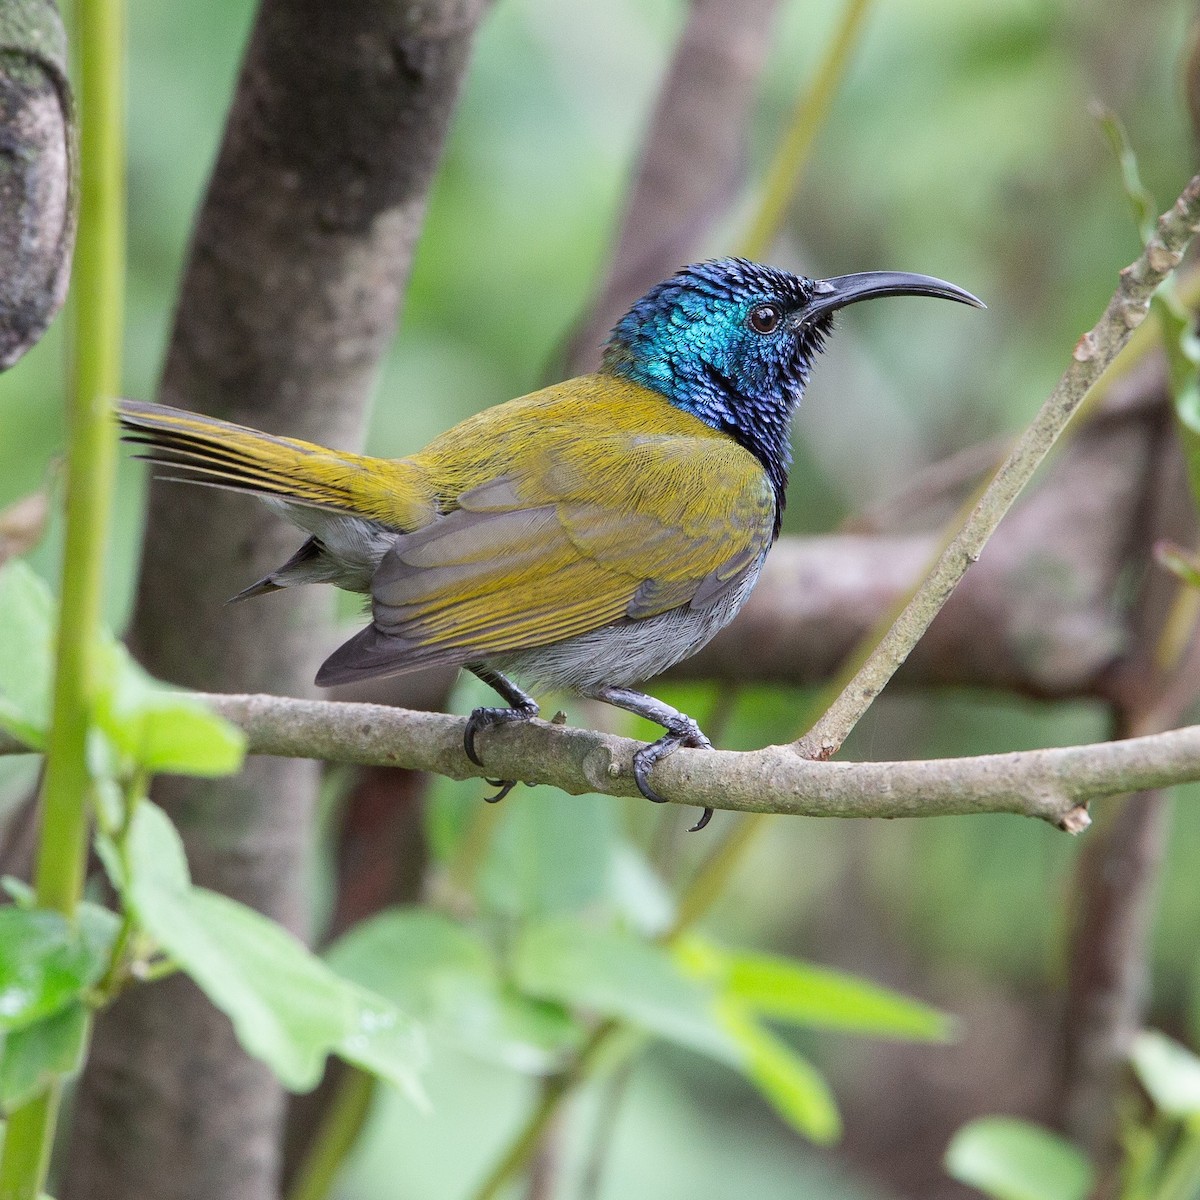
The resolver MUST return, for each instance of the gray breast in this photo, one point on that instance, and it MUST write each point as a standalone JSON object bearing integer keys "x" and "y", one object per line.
{"x": 629, "y": 652}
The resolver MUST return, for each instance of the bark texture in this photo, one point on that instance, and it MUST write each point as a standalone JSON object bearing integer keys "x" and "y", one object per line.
{"x": 37, "y": 173}
{"x": 298, "y": 266}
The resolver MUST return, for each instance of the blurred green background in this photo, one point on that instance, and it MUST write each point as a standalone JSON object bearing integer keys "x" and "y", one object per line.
{"x": 961, "y": 145}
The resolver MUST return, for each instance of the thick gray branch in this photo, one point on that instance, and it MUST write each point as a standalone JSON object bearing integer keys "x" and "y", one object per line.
{"x": 1050, "y": 784}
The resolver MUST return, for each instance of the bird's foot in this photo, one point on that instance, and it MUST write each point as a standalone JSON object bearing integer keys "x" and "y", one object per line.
{"x": 488, "y": 718}
{"x": 682, "y": 731}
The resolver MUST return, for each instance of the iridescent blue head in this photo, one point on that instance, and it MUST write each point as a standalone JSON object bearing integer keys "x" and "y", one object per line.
{"x": 733, "y": 342}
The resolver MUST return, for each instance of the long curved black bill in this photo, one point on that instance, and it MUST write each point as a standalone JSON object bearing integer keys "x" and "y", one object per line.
{"x": 835, "y": 293}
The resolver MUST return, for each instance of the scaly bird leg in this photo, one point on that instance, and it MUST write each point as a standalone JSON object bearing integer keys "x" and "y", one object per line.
{"x": 681, "y": 731}
{"x": 521, "y": 707}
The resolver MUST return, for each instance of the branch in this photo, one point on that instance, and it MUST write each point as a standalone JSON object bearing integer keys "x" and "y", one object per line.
{"x": 1093, "y": 353}
{"x": 1050, "y": 784}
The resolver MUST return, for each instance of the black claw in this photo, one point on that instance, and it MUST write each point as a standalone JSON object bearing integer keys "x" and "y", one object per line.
{"x": 475, "y": 722}
{"x": 505, "y": 786}
{"x": 485, "y": 718}
{"x": 643, "y": 762}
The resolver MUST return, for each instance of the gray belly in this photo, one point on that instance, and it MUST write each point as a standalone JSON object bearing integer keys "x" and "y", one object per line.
{"x": 627, "y": 653}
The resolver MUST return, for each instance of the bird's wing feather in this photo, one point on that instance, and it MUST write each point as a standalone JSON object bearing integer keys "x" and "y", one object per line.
{"x": 586, "y": 527}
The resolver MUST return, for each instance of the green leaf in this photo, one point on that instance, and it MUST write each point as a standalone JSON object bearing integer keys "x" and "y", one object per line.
{"x": 287, "y": 1007}
{"x": 615, "y": 974}
{"x": 638, "y": 893}
{"x": 444, "y": 974}
{"x": 45, "y": 964}
{"x": 27, "y": 624}
{"x": 34, "y": 1056}
{"x": 549, "y": 857}
{"x": 789, "y": 1083}
{"x": 1169, "y": 1072}
{"x": 1145, "y": 210}
{"x": 1180, "y": 562}
{"x": 159, "y": 728}
{"x": 1011, "y": 1159}
{"x": 1183, "y": 356}
{"x": 816, "y": 997}
{"x": 402, "y": 953}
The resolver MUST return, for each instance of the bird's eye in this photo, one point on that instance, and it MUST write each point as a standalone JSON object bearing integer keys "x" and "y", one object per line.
{"x": 764, "y": 318}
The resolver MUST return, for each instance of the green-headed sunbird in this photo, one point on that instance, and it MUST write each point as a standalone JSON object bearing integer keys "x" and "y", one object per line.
{"x": 587, "y": 536}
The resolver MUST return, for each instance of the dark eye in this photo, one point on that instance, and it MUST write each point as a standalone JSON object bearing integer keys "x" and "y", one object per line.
{"x": 764, "y": 318}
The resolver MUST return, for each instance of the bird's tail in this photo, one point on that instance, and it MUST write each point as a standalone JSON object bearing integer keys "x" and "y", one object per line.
{"x": 201, "y": 449}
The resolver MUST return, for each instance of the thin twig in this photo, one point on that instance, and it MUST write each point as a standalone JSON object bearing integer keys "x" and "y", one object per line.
{"x": 1093, "y": 352}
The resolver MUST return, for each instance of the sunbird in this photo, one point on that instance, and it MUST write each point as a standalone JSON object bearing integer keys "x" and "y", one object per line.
{"x": 584, "y": 537}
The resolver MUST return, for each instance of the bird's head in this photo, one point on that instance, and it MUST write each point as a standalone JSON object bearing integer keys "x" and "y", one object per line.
{"x": 733, "y": 342}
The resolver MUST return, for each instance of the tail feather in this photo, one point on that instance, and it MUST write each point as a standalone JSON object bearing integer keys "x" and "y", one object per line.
{"x": 206, "y": 450}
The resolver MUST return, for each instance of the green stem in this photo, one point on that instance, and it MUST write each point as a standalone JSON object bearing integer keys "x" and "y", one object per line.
{"x": 793, "y": 153}
{"x": 27, "y": 1143}
{"x": 1181, "y": 1176}
{"x": 340, "y": 1126}
{"x": 98, "y": 296}
{"x": 555, "y": 1089}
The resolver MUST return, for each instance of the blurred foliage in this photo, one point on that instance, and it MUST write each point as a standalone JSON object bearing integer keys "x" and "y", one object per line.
{"x": 962, "y": 145}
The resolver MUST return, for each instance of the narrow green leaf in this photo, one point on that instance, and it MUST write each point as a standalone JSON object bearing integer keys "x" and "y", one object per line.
{"x": 786, "y": 990}
{"x": 788, "y": 1082}
{"x": 287, "y": 1007}
{"x": 1010, "y": 1159}
{"x": 1179, "y": 562}
{"x": 444, "y": 974}
{"x": 45, "y": 964}
{"x": 1145, "y": 210}
{"x": 1169, "y": 1072}
{"x": 1182, "y": 349}
{"x": 32, "y": 1057}
{"x": 162, "y": 729}
{"x": 27, "y": 621}
{"x": 616, "y": 974}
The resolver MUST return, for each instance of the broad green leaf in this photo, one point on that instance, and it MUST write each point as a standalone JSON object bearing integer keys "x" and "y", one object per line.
{"x": 287, "y": 1007}
{"x": 638, "y": 893}
{"x": 34, "y": 1056}
{"x": 788, "y": 1082}
{"x": 45, "y": 964}
{"x": 160, "y": 728}
{"x": 445, "y": 975}
{"x": 616, "y": 974}
{"x": 548, "y": 857}
{"x": 27, "y": 623}
{"x": 401, "y": 952}
{"x": 1010, "y": 1159}
{"x": 1169, "y": 1072}
{"x": 786, "y": 990}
